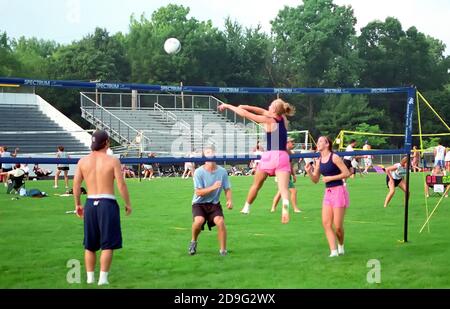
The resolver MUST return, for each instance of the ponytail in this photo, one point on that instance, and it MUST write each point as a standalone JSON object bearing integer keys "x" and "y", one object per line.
{"x": 284, "y": 108}
{"x": 289, "y": 110}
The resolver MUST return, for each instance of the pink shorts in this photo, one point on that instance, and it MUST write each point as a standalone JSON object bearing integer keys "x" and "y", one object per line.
{"x": 336, "y": 197}
{"x": 274, "y": 161}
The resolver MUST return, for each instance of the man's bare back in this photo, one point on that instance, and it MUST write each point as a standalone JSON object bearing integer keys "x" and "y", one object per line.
{"x": 99, "y": 170}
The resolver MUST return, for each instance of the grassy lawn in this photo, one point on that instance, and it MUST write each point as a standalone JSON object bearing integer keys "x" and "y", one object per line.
{"x": 38, "y": 239}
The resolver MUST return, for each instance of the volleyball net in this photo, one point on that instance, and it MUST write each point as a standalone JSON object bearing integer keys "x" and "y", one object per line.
{"x": 406, "y": 94}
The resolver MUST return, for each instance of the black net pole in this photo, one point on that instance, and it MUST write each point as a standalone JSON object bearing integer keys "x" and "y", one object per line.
{"x": 139, "y": 167}
{"x": 408, "y": 168}
{"x": 408, "y": 145}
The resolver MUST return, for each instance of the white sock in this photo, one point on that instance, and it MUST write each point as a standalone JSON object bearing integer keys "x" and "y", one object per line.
{"x": 341, "y": 249}
{"x": 286, "y": 203}
{"x": 334, "y": 253}
{"x": 246, "y": 208}
{"x": 103, "y": 278}
{"x": 90, "y": 277}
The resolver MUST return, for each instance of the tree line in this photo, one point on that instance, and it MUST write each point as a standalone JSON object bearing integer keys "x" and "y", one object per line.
{"x": 311, "y": 45}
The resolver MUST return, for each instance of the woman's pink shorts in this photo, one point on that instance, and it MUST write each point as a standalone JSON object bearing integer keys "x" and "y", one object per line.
{"x": 274, "y": 161}
{"x": 336, "y": 197}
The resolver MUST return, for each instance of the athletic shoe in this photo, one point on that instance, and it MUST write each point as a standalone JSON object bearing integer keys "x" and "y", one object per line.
{"x": 245, "y": 210}
{"x": 334, "y": 253}
{"x": 223, "y": 252}
{"x": 192, "y": 247}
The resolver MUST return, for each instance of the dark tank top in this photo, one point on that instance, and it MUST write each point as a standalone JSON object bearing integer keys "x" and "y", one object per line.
{"x": 278, "y": 137}
{"x": 330, "y": 169}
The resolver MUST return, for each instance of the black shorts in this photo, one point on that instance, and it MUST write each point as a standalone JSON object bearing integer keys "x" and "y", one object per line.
{"x": 348, "y": 163}
{"x": 102, "y": 224}
{"x": 396, "y": 181}
{"x": 208, "y": 211}
{"x": 63, "y": 168}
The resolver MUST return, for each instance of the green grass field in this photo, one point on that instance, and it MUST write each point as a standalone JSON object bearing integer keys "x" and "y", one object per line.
{"x": 38, "y": 238}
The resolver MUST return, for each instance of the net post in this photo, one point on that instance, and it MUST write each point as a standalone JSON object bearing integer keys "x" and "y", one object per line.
{"x": 139, "y": 166}
{"x": 408, "y": 142}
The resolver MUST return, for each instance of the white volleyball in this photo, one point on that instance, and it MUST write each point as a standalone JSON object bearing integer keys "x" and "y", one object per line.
{"x": 172, "y": 46}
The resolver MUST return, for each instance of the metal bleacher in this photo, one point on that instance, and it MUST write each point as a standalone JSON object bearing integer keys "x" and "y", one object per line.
{"x": 162, "y": 127}
{"x": 26, "y": 127}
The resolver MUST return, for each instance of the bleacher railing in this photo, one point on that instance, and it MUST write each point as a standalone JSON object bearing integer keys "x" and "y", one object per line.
{"x": 195, "y": 136}
{"x": 117, "y": 128}
{"x": 187, "y": 102}
{"x": 245, "y": 132}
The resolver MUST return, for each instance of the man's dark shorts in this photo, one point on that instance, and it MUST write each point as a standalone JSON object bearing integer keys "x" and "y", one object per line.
{"x": 63, "y": 168}
{"x": 208, "y": 211}
{"x": 348, "y": 163}
{"x": 102, "y": 224}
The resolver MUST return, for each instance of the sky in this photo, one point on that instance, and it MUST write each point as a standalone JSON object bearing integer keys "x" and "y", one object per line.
{"x": 67, "y": 20}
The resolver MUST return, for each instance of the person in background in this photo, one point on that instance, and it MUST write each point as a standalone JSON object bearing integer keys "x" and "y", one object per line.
{"x": 40, "y": 172}
{"x": 148, "y": 168}
{"x": 437, "y": 171}
{"x": 447, "y": 160}
{"x": 26, "y": 169}
{"x": 415, "y": 160}
{"x": 348, "y": 159}
{"x": 367, "y": 158}
{"x": 439, "y": 155}
{"x": 61, "y": 154}
{"x": 189, "y": 168}
{"x": 394, "y": 178}
{"x": 7, "y": 167}
{"x": 290, "y": 146}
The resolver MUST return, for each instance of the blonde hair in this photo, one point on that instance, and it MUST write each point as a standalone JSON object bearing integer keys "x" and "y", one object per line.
{"x": 404, "y": 160}
{"x": 283, "y": 108}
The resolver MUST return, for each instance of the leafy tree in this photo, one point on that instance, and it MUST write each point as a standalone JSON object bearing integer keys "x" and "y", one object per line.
{"x": 346, "y": 112}
{"x": 9, "y": 64}
{"x": 430, "y": 142}
{"x": 375, "y": 141}
{"x": 202, "y": 59}
{"x": 97, "y": 56}
{"x": 34, "y": 55}
{"x": 394, "y": 57}
{"x": 314, "y": 48}
{"x": 313, "y": 41}
{"x": 440, "y": 101}
{"x": 249, "y": 60}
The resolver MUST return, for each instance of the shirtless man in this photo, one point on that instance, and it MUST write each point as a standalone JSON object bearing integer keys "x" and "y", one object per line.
{"x": 101, "y": 211}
